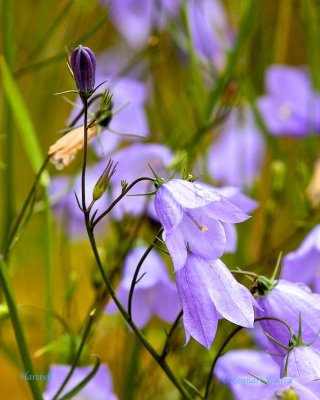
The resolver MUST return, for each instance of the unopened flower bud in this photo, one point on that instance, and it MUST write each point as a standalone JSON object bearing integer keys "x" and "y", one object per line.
{"x": 103, "y": 182}
{"x": 83, "y": 65}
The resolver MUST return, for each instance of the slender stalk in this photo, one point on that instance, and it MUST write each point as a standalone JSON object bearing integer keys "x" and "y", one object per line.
{"x": 210, "y": 375}
{"x": 22, "y": 213}
{"x": 166, "y": 347}
{"x": 76, "y": 360}
{"x": 101, "y": 216}
{"x": 18, "y": 329}
{"x": 136, "y": 272}
{"x": 85, "y": 152}
{"x": 282, "y": 33}
{"x": 8, "y": 46}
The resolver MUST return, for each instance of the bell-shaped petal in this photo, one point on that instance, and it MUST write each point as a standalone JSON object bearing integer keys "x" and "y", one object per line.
{"x": 302, "y": 362}
{"x": 207, "y": 290}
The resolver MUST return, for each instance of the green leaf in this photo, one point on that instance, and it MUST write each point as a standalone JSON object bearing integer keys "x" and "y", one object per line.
{"x": 23, "y": 120}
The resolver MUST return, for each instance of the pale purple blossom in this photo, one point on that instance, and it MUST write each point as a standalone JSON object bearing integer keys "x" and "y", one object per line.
{"x": 245, "y": 371}
{"x": 303, "y": 264}
{"x": 236, "y": 157}
{"x": 287, "y": 301}
{"x": 154, "y": 294}
{"x": 192, "y": 215}
{"x": 100, "y": 387}
{"x": 136, "y": 19}
{"x": 288, "y": 388}
{"x": 302, "y": 362}
{"x": 290, "y": 106}
{"x": 210, "y": 30}
{"x": 208, "y": 291}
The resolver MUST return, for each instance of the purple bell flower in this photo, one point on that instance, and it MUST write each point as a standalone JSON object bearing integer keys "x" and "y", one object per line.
{"x": 207, "y": 291}
{"x": 302, "y": 362}
{"x": 288, "y": 388}
{"x": 192, "y": 216}
{"x": 100, "y": 387}
{"x": 303, "y": 264}
{"x": 236, "y": 157}
{"x": 242, "y": 370}
{"x": 154, "y": 294}
{"x": 286, "y": 301}
{"x": 291, "y": 106}
{"x": 83, "y": 65}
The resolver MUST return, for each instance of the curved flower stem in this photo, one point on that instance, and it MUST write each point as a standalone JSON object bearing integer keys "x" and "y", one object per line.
{"x": 75, "y": 361}
{"x": 166, "y": 347}
{"x": 225, "y": 343}
{"x": 136, "y": 272}
{"x": 162, "y": 363}
{"x": 18, "y": 330}
{"x": 85, "y": 151}
{"x": 22, "y": 213}
{"x": 102, "y": 215}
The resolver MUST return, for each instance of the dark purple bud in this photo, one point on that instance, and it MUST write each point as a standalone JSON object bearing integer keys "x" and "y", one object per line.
{"x": 83, "y": 65}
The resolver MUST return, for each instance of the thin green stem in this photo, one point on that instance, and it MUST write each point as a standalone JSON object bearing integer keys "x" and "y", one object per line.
{"x": 102, "y": 215}
{"x": 8, "y": 46}
{"x": 77, "y": 357}
{"x": 85, "y": 152}
{"x": 136, "y": 272}
{"x": 166, "y": 347}
{"x": 18, "y": 329}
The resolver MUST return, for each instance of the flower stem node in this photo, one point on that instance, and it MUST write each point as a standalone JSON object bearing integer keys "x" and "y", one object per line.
{"x": 83, "y": 66}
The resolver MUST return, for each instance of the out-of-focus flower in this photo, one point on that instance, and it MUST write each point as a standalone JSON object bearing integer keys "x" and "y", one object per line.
{"x": 61, "y": 192}
{"x": 290, "y": 107}
{"x": 302, "y": 362}
{"x": 83, "y": 66}
{"x": 133, "y": 164}
{"x": 287, "y": 301}
{"x": 288, "y": 389}
{"x": 244, "y": 371}
{"x": 303, "y": 264}
{"x": 191, "y": 215}
{"x": 154, "y": 294}
{"x": 63, "y": 151}
{"x": 136, "y": 19}
{"x": 208, "y": 290}
{"x": 236, "y": 157}
{"x": 100, "y": 387}
{"x": 210, "y": 31}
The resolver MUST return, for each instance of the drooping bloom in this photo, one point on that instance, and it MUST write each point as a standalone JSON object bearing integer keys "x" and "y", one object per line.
{"x": 83, "y": 65}
{"x": 208, "y": 290}
{"x": 244, "y": 371}
{"x": 192, "y": 216}
{"x": 210, "y": 30}
{"x": 303, "y": 264}
{"x": 154, "y": 294}
{"x": 236, "y": 157}
{"x": 100, "y": 387}
{"x": 287, "y": 301}
{"x": 291, "y": 106}
{"x": 135, "y": 20}
{"x": 302, "y": 362}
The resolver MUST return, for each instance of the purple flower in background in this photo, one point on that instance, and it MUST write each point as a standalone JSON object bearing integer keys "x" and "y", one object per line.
{"x": 133, "y": 164}
{"x": 154, "y": 294}
{"x": 61, "y": 192}
{"x": 192, "y": 216}
{"x": 207, "y": 291}
{"x": 100, "y": 387}
{"x": 302, "y": 362}
{"x": 236, "y": 157}
{"x": 288, "y": 388}
{"x": 242, "y": 370}
{"x": 135, "y": 19}
{"x": 290, "y": 107}
{"x": 209, "y": 30}
{"x": 303, "y": 264}
{"x": 286, "y": 301}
